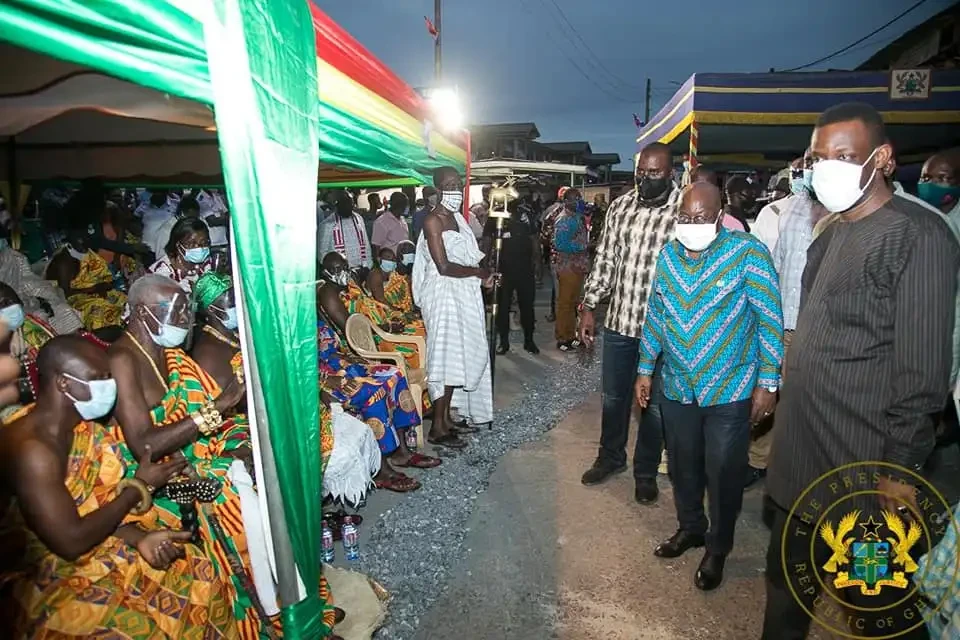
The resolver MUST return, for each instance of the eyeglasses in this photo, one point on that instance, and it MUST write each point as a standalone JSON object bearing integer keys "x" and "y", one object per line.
{"x": 686, "y": 218}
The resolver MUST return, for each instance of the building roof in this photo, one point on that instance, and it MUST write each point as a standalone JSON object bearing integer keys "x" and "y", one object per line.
{"x": 526, "y": 130}
{"x": 886, "y": 56}
{"x": 569, "y": 147}
{"x": 595, "y": 159}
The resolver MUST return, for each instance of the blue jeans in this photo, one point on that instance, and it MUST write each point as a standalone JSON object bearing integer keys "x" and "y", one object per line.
{"x": 707, "y": 450}
{"x": 618, "y": 374}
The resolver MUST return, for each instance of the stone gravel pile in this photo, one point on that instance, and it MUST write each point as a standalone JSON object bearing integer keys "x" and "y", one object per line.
{"x": 413, "y": 546}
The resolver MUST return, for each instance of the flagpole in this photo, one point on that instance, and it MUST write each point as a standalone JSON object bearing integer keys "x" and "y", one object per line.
{"x": 437, "y": 42}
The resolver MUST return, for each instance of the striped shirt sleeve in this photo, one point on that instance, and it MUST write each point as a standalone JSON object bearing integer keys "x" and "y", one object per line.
{"x": 923, "y": 331}
{"x": 600, "y": 281}
{"x": 763, "y": 294}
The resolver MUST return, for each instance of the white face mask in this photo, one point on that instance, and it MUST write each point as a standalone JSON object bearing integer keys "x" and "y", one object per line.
{"x": 169, "y": 336}
{"x": 103, "y": 395}
{"x": 13, "y": 316}
{"x": 230, "y": 322}
{"x": 837, "y": 183}
{"x": 452, "y": 200}
{"x": 408, "y": 259}
{"x": 697, "y": 237}
{"x": 341, "y": 278}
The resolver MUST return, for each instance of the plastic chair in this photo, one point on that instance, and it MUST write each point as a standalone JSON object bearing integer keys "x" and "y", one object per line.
{"x": 360, "y": 334}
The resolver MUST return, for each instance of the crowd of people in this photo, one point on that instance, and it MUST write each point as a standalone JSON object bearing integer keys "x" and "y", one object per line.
{"x": 126, "y": 455}
{"x": 755, "y": 340}
{"x": 785, "y": 343}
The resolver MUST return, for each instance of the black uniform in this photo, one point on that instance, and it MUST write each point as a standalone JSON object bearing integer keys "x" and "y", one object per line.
{"x": 516, "y": 265}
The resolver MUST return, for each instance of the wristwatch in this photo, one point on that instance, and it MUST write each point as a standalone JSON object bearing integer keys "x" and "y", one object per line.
{"x": 772, "y": 389}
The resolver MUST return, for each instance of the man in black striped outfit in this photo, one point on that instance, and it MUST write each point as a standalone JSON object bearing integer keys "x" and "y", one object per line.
{"x": 869, "y": 367}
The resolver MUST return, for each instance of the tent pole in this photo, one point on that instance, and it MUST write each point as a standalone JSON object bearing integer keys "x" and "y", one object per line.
{"x": 287, "y": 576}
{"x": 692, "y": 162}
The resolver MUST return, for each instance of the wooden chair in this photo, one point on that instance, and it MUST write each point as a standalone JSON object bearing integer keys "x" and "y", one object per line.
{"x": 360, "y": 334}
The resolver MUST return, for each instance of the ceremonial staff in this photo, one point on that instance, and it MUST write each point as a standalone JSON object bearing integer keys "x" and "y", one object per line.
{"x": 498, "y": 196}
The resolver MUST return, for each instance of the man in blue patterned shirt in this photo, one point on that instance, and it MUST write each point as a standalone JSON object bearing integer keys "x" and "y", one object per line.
{"x": 716, "y": 318}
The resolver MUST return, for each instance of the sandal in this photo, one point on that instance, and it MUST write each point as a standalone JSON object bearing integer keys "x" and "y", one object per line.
{"x": 399, "y": 484}
{"x": 420, "y": 461}
{"x": 564, "y": 346}
{"x": 464, "y": 427}
{"x": 449, "y": 440}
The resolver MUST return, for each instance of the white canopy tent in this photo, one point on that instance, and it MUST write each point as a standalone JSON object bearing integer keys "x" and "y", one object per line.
{"x": 59, "y": 121}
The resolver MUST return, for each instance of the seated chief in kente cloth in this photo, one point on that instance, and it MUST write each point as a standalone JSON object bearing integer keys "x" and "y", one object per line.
{"x": 168, "y": 401}
{"x": 83, "y": 552}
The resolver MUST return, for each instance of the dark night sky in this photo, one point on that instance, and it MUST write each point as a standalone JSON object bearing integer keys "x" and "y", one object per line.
{"x": 511, "y": 59}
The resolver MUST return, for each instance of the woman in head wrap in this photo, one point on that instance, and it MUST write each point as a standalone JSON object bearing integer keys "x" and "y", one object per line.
{"x": 216, "y": 347}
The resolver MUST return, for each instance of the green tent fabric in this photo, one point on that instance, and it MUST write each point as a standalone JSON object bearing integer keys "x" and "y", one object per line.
{"x": 150, "y": 42}
{"x": 266, "y": 113}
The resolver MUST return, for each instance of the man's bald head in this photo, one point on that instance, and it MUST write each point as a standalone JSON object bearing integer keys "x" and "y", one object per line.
{"x": 943, "y": 163}
{"x": 700, "y": 203}
{"x": 657, "y": 150}
{"x": 71, "y": 355}
{"x": 447, "y": 179}
{"x": 940, "y": 179}
{"x": 704, "y": 174}
{"x": 155, "y": 300}
{"x": 653, "y": 174}
{"x": 333, "y": 262}
{"x": 152, "y": 289}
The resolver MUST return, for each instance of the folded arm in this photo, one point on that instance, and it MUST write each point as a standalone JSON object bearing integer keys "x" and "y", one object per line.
{"x": 50, "y": 512}
{"x": 433, "y": 231}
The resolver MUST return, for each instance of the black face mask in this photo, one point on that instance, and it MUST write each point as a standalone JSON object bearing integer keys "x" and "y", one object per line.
{"x": 652, "y": 188}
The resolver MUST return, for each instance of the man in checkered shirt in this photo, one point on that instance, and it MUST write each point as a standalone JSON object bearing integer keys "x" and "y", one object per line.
{"x": 637, "y": 226}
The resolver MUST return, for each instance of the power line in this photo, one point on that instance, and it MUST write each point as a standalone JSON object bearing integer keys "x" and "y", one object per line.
{"x": 853, "y": 44}
{"x": 598, "y": 63}
{"x": 576, "y": 66}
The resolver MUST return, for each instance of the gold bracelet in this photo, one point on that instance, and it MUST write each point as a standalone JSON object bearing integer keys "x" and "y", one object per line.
{"x": 146, "y": 500}
{"x": 212, "y": 416}
{"x": 200, "y": 421}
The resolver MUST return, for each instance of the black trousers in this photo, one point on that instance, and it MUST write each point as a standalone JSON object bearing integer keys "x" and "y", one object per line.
{"x": 521, "y": 281}
{"x": 785, "y": 619}
{"x": 617, "y": 374}
{"x": 707, "y": 451}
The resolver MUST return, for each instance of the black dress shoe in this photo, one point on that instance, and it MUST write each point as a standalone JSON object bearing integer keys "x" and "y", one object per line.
{"x": 754, "y": 476}
{"x": 647, "y": 491}
{"x": 710, "y": 573}
{"x": 530, "y": 347}
{"x": 503, "y": 348}
{"x": 678, "y": 544}
{"x": 600, "y": 471}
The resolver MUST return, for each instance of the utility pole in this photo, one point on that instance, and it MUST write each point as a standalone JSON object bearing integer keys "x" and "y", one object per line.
{"x": 438, "y": 42}
{"x": 646, "y": 102}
